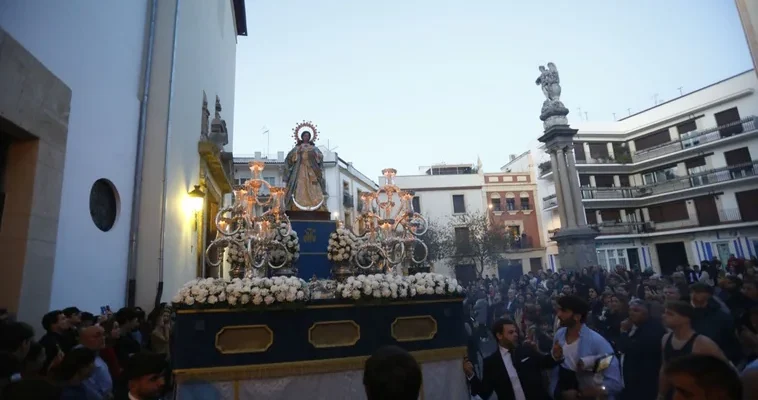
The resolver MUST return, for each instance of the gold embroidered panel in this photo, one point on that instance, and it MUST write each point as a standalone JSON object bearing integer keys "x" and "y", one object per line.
{"x": 416, "y": 328}
{"x": 334, "y": 334}
{"x": 244, "y": 339}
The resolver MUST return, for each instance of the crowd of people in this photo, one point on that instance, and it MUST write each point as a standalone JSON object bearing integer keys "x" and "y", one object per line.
{"x": 82, "y": 356}
{"x": 652, "y": 329}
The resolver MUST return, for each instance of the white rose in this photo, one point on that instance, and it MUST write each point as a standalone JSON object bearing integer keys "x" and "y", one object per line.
{"x": 413, "y": 292}
{"x": 290, "y": 297}
{"x": 232, "y": 300}
{"x": 403, "y": 293}
{"x": 377, "y": 294}
{"x": 222, "y": 296}
{"x": 268, "y": 299}
{"x": 280, "y": 297}
{"x": 189, "y": 300}
{"x": 386, "y": 293}
{"x": 367, "y": 290}
{"x": 178, "y": 298}
{"x": 212, "y": 299}
{"x": 245, "y": 298}
{"x": 265, "y": 292}
{"x": 257, "y": 300}
{"x": 439, "y": 290}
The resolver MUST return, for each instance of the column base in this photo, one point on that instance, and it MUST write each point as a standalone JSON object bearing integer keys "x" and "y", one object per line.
{"x": 576, "y": 247}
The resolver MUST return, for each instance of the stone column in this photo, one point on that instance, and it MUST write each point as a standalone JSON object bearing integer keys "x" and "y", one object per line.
{"x": 575, "y": 191}
{"x": 558, "y": 194}
{"x": 567, "y": 200}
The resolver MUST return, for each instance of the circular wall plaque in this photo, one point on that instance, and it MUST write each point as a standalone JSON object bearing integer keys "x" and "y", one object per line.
{"x": 103, "y": 204}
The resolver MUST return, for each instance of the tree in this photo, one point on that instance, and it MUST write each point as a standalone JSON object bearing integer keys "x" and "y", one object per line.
{"x": 476, "y": 241}
{"x": 437, "y": 240}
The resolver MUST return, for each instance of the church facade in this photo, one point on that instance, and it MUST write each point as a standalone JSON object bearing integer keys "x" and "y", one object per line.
{"x": 103, "y": 105}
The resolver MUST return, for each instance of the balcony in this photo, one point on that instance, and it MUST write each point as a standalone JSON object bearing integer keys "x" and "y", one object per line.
{"x": 726, "y": 216}
{"x": 697, "y": 138}
{"x": 677, "y": 183}
{"x": 347, "y": 200}
{"x": 545, "y": 168}
{"x": 549, "y": 202}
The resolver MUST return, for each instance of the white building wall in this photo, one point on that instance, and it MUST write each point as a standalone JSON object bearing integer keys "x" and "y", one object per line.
{"x": 96, "y": 48}
{"x": 205, "y": 61}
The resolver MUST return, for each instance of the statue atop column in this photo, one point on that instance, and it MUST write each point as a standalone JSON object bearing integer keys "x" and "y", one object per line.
{"x": 553, "y": 111}
{"x": 304, "y": 171}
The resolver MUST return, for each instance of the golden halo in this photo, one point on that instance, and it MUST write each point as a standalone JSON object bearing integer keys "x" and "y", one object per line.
{"x": 297, "y": 134}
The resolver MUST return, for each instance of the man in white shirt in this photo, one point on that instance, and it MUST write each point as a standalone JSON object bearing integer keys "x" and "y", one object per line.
{"x": 513, "y": 372}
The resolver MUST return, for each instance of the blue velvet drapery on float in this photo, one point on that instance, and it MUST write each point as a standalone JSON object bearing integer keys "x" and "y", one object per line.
{"x": 317, "y": 351}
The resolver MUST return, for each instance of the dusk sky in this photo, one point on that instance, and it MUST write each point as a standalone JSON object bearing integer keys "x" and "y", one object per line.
{"x": 417, "y": 82}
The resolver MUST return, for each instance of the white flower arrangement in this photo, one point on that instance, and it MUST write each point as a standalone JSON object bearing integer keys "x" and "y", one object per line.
{"x": 244, "y": 292}
{"x": 251, "y": 292}
{"x": 236, "y": 250}
{"x": 389, "y": 286}
{"x": 290, "y": 241}
{"x": 343, "y": 245}
{"x": 428, "y": 283}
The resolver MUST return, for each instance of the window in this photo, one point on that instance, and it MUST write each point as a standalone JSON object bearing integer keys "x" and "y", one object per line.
{"x": 652, "y": 140}
{"x": 659, "y": 176}
{"x": 416, "y": 203}
{"x": 741, "y": 161}
{"x": 599, "y": 151}
{"x": 459, "y": 206}
{"x": 579, "y": 152}
{"x": 696, "y": 169}
{"x": 610, "y": 258}
{"x": 514, "y": 230}
{"x": 240, "y": 181}
{"x": 729, "y": 119}
{"x": 525, "y": 203}
{"x": 668, "y": 212}
{"x": 510, "y": 204}
{"x": 270, "y": 179}
{"x": 461, "y": 239}
{"x": 496, "y": 205}
{"x": 686, "y": 127}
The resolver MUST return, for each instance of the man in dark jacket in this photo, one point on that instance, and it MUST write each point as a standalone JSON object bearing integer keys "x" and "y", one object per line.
{"x": 710, "y": 320}
{"x": 513, "y": 372}
{"x": 640, "y": 344}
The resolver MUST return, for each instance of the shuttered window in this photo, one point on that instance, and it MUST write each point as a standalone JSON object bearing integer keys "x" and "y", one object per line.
{"x": 652, "y": 140}
{"x": 737, "y": 156}
{"x": 668, "y": 212}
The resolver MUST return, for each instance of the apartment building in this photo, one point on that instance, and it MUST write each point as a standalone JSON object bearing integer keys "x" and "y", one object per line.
{"x": 444, "y": 191}
{"x": 671, "y": 185}
{"x": 344, "y": 183}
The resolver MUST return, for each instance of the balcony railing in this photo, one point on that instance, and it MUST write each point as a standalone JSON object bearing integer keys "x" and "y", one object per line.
{"x": 698, "y": 138}
{"x": 717, "y": 175}
{"x": 549, "y": 201}
{"x": 347, "y": 200}
{"x": 726, "y": 216}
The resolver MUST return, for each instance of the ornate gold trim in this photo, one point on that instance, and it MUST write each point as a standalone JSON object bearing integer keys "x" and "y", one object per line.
{"x": 322, "y": 306}
{"x": 401, "y": 338}
{"x": 348, "y": 341}
{"x": 245, "y": 351}
{"x": 300, "y": 368}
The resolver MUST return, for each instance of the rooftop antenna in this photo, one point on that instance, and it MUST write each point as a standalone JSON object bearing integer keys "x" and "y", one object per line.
{"x": 329, "y": 147}
{"x": 265, "y": 131}
{"x": 586, "y": 117}
{"x": 655, "y": 99}
{"x": 629, "y": 110}
{"x": 614, "y": 116}
{"x": 579, "y": 111}
{"x": 680, "y": 91}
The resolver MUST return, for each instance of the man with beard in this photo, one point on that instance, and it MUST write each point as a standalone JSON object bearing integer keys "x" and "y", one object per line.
{"x": 513, "y": 372}
{"x": 581, "y": 347}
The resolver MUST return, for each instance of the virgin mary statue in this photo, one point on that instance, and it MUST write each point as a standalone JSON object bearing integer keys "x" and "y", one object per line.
{"x": 304, "y": 174}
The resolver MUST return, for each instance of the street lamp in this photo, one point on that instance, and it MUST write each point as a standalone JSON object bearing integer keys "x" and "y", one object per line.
{"x": 196, "y": 199}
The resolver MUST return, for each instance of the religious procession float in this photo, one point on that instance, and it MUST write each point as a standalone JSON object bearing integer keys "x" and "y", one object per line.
{"x": 307, "y": 300}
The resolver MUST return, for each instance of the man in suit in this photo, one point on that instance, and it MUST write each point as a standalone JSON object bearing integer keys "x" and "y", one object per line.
{"x": 513, "y": 372}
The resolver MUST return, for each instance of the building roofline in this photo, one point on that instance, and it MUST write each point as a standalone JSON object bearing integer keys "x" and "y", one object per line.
{"x": 518, "y": 157}
{"x": 240, "y": 17}
{"x": 690, "y": 93}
